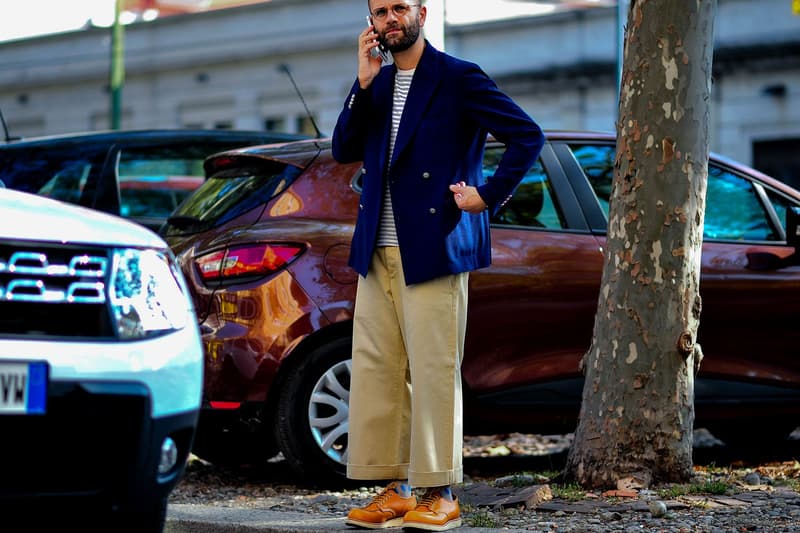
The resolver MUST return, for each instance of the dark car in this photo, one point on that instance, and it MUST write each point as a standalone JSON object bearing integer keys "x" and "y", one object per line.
{"x": 264, "y": 244}
{"x": 142, "y": 175}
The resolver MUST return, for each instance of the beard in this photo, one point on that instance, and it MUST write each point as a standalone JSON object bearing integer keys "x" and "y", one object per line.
{"x": 409, "y": 37}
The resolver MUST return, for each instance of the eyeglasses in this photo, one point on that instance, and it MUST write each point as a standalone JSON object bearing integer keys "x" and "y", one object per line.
{"x": 398, "y": 9}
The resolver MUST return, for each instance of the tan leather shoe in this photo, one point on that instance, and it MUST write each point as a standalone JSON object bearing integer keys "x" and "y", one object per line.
{"x": 387, "y": 509}
{"x": 434, "y": 513}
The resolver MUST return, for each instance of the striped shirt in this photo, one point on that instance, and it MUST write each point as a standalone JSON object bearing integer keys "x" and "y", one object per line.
{"x": 387, "y": 233}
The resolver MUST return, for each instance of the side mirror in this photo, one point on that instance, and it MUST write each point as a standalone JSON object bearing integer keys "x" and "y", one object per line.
{"x": 793, "y": 226}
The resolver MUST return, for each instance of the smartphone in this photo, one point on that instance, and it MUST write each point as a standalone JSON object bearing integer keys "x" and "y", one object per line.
{"x": 381, "y": 48}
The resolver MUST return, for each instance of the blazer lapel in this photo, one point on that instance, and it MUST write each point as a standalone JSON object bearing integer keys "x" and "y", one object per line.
{"x": 423, "y": 86}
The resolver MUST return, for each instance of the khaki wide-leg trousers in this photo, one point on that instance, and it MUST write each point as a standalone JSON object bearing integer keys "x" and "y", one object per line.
{"x": 405, "y": 391}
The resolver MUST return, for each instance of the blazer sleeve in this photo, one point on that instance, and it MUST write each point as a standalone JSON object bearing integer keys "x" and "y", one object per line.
{"x": 498, "y": 114}
{"x": 350, "y": 133}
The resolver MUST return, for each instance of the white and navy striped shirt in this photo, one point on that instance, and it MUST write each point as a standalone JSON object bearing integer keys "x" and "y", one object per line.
{"x": 387, "y": 233}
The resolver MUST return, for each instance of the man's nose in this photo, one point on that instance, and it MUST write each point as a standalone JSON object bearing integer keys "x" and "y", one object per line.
{"x": 390, "y": 15}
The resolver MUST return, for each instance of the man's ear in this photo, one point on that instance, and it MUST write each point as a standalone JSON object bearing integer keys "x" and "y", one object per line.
{"x": 423, "y": 13}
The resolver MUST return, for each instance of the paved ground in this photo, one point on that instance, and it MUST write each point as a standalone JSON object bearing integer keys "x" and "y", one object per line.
{"x": 754, "y": 510}
{"x": 190, "y": 518}
{"x": 506, "y": 494}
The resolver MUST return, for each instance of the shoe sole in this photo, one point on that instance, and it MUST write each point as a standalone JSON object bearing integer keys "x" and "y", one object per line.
{"x": 452, "y": 524}
{"x": 394, "y": 522}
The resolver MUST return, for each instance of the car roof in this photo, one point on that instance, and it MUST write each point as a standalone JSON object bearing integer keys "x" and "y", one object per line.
{"x": 173, "y": 135}
{"x": 286, "y": 150}
{"x": 297, "y": 152}
{"x": 325, "y": 142}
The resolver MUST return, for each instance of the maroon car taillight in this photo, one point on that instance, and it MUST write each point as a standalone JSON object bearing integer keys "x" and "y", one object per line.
{"x": 224, "y": 405}
{"x": 260, "y": 259}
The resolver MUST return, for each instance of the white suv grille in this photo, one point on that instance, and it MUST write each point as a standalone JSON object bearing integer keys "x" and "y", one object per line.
{"x": 53, "y": 290}
{"x": 33, "y": 277}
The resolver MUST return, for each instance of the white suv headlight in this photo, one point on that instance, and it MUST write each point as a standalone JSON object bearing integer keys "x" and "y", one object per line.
{"x": 146, "y": 295}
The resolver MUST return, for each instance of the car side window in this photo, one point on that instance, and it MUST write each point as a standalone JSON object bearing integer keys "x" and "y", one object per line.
{"x": 68, "y": 183}
{"x": 734, "y": 211}
{"x": 533, "y": 204}
{"x": 62, "y": 173}
{"x": 153, "y": 182}
{"x": 597, "y": 162}
{"x": 781, "y": 204}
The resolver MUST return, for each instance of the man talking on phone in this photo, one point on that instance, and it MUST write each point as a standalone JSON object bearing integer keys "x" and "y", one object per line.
{"x": 419, "y": 125}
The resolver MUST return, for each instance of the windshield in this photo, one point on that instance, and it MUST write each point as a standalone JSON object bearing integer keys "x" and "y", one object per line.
{"x": 230, "y": 193}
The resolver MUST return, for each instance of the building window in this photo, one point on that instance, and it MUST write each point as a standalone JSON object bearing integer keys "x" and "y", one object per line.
{"x": 275, "y": 124}
{"x": 305, "y": 125}
{"x": 780, "y": 159}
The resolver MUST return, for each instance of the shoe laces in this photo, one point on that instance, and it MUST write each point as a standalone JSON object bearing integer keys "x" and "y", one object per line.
{"x": 381, "y": 498}
{"x": 429, "y": 498}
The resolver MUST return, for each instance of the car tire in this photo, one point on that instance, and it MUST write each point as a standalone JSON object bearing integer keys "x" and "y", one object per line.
{"x": 313, "y": 413}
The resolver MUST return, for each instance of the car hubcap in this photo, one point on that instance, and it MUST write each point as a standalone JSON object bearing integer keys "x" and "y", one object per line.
{"x": 328, "y": 411}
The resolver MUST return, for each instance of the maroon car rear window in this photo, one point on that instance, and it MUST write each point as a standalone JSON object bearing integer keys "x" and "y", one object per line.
{"x": 230, "y": 193}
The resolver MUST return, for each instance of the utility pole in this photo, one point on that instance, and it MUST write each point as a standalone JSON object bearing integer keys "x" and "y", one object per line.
{"x": 117, "y": 77}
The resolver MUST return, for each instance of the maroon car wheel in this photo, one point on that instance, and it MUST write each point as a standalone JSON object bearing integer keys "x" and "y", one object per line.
{"x": 313, "y": 410}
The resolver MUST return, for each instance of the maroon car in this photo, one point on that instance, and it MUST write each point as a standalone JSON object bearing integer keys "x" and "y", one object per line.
{"x": 264, "y": 244}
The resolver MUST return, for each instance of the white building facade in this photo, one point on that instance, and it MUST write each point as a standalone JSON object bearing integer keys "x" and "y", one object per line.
{"x": 225, "y": 69}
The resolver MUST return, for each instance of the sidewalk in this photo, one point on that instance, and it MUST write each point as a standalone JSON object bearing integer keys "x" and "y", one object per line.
{"x": 760, "y": 508}
{"x": 190, "y": 518}
{"x": 763, "y": 497}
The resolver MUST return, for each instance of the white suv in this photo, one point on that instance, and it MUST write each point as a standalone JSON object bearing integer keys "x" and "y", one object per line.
{"x": 100, "y": 368}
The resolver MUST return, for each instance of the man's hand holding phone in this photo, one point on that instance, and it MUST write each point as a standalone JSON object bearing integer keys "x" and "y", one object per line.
{"x": 369, "y": 63}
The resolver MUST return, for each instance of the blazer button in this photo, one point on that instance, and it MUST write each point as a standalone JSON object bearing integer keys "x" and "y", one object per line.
{"x": 426, "y": 175}
{"x": 432, "y": 211}
{"x": 363, "y": 170}
{"x": 361, "y": 206}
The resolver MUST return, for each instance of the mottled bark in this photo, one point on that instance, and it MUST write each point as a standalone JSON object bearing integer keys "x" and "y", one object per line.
{"x": 637, "y": 414}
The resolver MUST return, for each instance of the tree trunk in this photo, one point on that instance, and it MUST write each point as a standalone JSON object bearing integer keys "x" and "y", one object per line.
{"x": 637, "y": 414}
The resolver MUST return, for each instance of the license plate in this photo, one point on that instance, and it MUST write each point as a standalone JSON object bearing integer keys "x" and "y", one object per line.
{"x": 23, "y": 388}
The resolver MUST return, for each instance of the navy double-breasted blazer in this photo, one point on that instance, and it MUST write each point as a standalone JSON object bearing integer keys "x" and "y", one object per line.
{"x": 451, "y": 107}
